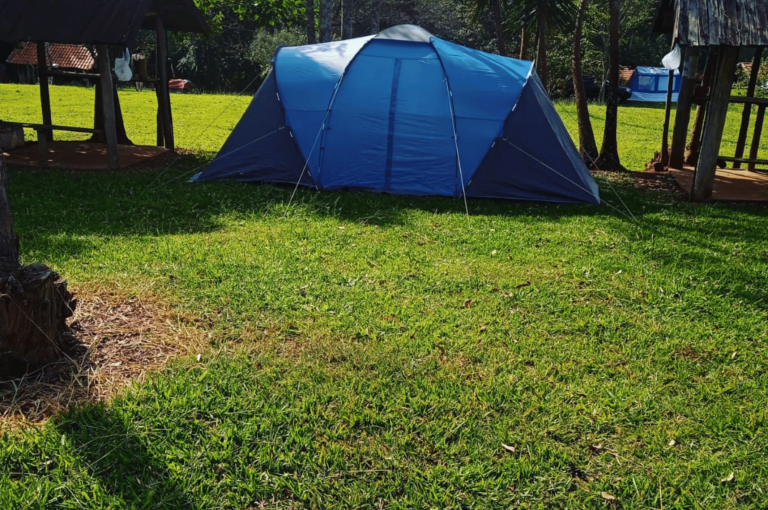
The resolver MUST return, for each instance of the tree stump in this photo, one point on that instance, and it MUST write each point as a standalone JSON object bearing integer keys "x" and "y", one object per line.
{"x": 34, "y": 304}
{"x": 34, "y": 307}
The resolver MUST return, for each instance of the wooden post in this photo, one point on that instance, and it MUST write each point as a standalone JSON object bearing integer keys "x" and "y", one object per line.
{"x": 108, "y": 103}
{"x": 45, "y": 94}
{"x": 683, "y": 115}
{"x": 741, "y": 141}
{"x": 756, "y": 137}
{"x": 692, "y": 155}
{"x": 164, "y": 98}
{"x": 667, "y": 112}
{"x": 714, "y": 124}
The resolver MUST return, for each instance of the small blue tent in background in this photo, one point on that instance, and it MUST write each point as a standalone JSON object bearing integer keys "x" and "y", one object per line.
{"x": 649, "y": 84}
{"x": 404, "y": 112}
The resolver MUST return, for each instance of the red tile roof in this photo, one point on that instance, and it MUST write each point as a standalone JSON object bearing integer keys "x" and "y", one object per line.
{"x": 65, "y": 56}
{"x": 625, "y": 75}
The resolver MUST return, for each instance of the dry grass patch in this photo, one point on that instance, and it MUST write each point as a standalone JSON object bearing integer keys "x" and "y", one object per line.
{"x": 114, "y": 339}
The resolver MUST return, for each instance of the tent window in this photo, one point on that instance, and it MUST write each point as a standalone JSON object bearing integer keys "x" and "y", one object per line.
{"x": 646, "y": 83}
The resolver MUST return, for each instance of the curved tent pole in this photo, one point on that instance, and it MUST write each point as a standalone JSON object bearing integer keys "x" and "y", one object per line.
{"x": 453, "y": 123}
{"x": 314, "y": 144}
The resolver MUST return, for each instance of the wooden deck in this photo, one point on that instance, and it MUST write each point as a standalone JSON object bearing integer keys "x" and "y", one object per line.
{"x": 730, "y": 185}
{"x": 82, "y": 155}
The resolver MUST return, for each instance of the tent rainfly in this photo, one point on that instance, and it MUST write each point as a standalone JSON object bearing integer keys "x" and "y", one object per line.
{"x": 649, "y": 84}
{"x": 404, "y": 112}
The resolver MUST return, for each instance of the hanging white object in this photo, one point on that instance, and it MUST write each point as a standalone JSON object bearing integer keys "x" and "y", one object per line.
{"x": 672, "y": 59}
{"x": 123, "y": 67}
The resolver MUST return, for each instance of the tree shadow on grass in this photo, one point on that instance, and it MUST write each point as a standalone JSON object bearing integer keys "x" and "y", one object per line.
{"x": 114, "y": 452}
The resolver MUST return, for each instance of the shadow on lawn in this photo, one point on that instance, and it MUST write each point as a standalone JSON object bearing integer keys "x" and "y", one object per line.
{"x": 114, "y": 452}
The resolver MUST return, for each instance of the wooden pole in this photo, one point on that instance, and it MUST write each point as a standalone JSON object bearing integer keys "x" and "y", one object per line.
{"x": 164, "y": 97}
{"x": 756, "y": 137}
{"x": 667, "y": 113}
{"x": 692, "y": 155}
{"x": 714, "y": 124}
{"x": 45, "y": 94}
{"x": 108, "y": 103}
{"x": 741, "y": 141}
{"x": 683, "y": 114}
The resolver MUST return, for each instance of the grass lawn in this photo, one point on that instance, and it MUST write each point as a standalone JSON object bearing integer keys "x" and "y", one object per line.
{"x": 371, "y": 351}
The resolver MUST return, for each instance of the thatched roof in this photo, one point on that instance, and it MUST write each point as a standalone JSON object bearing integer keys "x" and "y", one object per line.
{"x": 714, "y": 22}
{"x": 93, "y": 21}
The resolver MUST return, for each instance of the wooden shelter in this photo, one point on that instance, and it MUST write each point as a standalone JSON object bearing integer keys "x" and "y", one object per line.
{"x": 719, "y": 28}
{"x": 101, "y": 25}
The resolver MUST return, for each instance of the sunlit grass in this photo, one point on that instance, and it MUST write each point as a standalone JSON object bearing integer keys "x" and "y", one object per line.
{"x": 372, "y": 351}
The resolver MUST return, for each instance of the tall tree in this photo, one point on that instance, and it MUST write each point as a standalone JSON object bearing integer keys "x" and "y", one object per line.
{"x": 524, "y": 40}
{"x": 545, "y": 14}
{"x": 542, "y": 13}
{"x": 587, "y": 145}
{"x": 375, "y": 16}
{"x": 309, "y": 5}
{"x": 326, "y": 7}
{"x": 347, "y": 17}
{"x": 609, "y": 152}
{"x": 494, "y": 6}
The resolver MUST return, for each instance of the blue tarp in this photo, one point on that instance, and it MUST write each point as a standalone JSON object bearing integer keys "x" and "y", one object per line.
{"x": 649, "y": 84}
{"x": 405, "y": 112}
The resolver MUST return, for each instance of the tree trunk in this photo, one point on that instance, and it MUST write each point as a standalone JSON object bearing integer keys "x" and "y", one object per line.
{"x": 501, "y": 44}
{"x": 34, "y": 303}
{"x": 326, "y": 7}
{"x": 309, "y": 5}
{"x": 375, "y": 16}
{"x": 98, "y": 119}
{"x": 9, "y": 244}
{"x": 609, "y": 152}
{"x": 524, "y": 44}
{"x": 587, "y": 144}
{"x": 541, "y": 52}
{"x": 347, "y": 17}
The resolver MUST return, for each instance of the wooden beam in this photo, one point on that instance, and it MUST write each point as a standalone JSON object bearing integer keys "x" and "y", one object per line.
{"x": 667, "y": 112}
{"x": 741, "y": 141}
{"x": 714, "y": 124}
{"x": 45, "y": 94}
{"x": 164, "y": 98}
{"x": 684, "y": 103}
{"x": 692, "y": 155}
{"x": 108, "y": 103}
{"x": 756, "y": 137}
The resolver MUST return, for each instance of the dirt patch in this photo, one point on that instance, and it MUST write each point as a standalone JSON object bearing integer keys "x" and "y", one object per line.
{"x": 114, "y": 339}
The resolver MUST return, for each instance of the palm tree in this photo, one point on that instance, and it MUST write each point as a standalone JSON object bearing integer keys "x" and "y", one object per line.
{"x": 494, "y": 6}
{"x": 545, "y": 13}
{"x": 587, "y": 145}
{"x": 609, "y": 152}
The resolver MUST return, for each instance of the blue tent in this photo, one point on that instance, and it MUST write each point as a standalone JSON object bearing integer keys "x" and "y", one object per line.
{"x": 404, "y": 112}
{"x": 649, "y": 84}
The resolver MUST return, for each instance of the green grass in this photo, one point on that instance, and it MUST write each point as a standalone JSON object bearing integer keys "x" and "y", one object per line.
{"x": 346, "y": 369}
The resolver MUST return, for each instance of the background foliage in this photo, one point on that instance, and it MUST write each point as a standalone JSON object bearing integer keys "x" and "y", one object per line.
{"x": 244, "y": 36}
